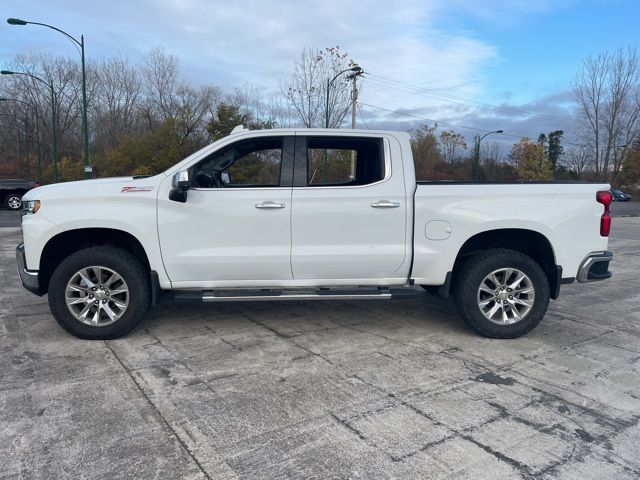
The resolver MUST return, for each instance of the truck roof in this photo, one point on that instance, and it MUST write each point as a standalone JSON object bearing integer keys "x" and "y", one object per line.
{"x": 325, "y": 131}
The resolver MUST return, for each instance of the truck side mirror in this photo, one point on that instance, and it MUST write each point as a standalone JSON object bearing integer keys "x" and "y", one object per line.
{"x": 181, "y": 184}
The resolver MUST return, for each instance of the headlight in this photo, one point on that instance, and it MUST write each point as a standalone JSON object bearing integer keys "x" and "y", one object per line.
{"x": 31, "y": 206}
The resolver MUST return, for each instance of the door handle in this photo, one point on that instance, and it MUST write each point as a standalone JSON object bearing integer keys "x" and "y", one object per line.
{"x": 385, "y": 204}
{"x": 269, "y": 205}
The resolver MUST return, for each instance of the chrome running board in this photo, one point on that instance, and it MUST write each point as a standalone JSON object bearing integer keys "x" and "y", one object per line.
{"x": 242, "y": 295}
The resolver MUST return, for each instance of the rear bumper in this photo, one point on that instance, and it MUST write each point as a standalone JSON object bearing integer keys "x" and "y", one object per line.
{"x": 595, "y": 267}
{"x": 29, "y": 278}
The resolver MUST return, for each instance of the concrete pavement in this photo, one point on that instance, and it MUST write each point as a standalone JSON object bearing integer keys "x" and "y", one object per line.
{"x": 327, "y": 389}
{"x": 625, "y": 209}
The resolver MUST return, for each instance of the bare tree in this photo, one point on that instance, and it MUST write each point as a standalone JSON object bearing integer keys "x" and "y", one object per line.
{"x": 161, "y": 83}
{"x": 306, "y": 91}
{"x": 64, "y": 75}
{"x": 426, "y": 155}
{"x": 607, "y": 89}
{"x": 115, "y": 100}
{"x": 452, "y": 145}
{"x": 579, "y": 160}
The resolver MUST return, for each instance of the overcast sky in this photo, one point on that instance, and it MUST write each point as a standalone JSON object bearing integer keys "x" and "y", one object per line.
{"x": 446, "y": 60}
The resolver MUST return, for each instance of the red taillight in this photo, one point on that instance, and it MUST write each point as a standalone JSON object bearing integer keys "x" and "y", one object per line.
{"x": 605, "y": 197}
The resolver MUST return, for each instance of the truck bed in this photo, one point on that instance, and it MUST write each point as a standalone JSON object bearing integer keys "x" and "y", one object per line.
{"x": 448, "y": 214}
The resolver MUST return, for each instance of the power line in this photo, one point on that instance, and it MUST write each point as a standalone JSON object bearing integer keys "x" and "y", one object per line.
{"x": 461, "y": 100}
{"x": 394, "y": 84}
{"x": 457, "y": 125}
{"x": 568, "y": 132}
{"x": 429, "y": 119}
{"x": 470, "y": 103}
{"x": 362, "y": 116}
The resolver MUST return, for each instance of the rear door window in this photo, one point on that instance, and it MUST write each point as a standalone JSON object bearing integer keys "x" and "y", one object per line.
{"x": 344, "y": 161}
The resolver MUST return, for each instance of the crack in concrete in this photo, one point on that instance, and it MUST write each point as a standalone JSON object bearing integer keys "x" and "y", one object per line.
{"x": 288, "y": 338}
{"x": 224, "y": 340}
{"x": 174, "y": 361}
{"x": 158, "y": 412}
{"x": 522, "y": 468}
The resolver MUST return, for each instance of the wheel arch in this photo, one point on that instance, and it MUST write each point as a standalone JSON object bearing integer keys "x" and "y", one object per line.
{"x": 65, "y": 243}
{"x": 529, "y": 242}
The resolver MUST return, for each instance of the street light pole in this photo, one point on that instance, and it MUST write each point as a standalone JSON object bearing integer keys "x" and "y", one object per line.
{"x": 54, "y": 139}
{"x": 37, "y": 131}
{"x": 476, "y": 156}
{"x": 355, "y": 69}
{"x": 85, "y": 123}
{"x": 354, "y": 103}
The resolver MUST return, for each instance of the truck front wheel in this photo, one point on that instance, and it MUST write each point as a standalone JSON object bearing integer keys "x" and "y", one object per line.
{"x": 501, "y": 293}
{"x": 99, "y": 293}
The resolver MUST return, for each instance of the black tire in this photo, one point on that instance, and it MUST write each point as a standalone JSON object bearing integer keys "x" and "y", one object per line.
{"x": 127, "y": 266}
{"x": 471, "y": 274}
{"x": 10, "y": 201}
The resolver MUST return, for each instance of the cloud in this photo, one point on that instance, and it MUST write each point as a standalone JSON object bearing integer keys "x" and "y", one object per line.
{"x": 257, "y": 41}
{"x": 404, "y": 46}
{"x": 555, "y": 111}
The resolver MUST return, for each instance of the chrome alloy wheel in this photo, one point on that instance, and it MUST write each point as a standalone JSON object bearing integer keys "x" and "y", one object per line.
{"x": 506, "y": 296}
{"x": 14, "y": 202}
{"x": 97, "y": 296}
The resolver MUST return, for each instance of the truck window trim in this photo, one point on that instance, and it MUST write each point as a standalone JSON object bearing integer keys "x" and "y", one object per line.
{"x": 300, "y": 175}
{"x": 286, "y": 164}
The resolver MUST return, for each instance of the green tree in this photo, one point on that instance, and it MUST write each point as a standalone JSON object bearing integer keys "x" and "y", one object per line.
{"x": 149, "y": 153}
{"x": 229, "y": 116}
{"x": 68, "y": 170}
{"x": 553, "y": 148}
{"x": 531, "y": 161}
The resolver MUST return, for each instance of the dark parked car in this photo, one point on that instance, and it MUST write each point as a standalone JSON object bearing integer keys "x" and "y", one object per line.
{"x": 12, "y": 190}
{"x": 620, "y": 196}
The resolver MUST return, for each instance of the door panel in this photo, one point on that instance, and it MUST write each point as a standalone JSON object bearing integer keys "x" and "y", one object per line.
{"x": 219, "y": 234}
{"x": 231, "y": 228}
{"x": 347, "y": 232}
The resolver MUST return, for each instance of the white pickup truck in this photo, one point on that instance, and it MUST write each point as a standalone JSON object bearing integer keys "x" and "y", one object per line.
{"x": 308, "y": 214}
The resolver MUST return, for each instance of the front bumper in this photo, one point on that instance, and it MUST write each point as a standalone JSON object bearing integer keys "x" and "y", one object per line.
{"x": 595, "y": 267}
{"x": 29, "y": 278}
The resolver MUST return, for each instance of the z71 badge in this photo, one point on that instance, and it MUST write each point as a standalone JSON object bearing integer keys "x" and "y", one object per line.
{"x": 146, "y": 188}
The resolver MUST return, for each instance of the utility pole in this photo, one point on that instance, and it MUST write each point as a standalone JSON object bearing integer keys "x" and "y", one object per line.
{"x": 354, "y": 105}
{"x": 325, "y": 160}
{"x": 354, "y": 99}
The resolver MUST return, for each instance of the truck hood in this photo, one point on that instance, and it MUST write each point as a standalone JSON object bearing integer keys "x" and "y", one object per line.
{"x": 98, "y": 187}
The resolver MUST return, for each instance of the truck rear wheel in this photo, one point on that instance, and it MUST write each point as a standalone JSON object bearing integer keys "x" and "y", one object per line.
{"x": 99, "y": 293}
{"x": 501, "y": 293}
